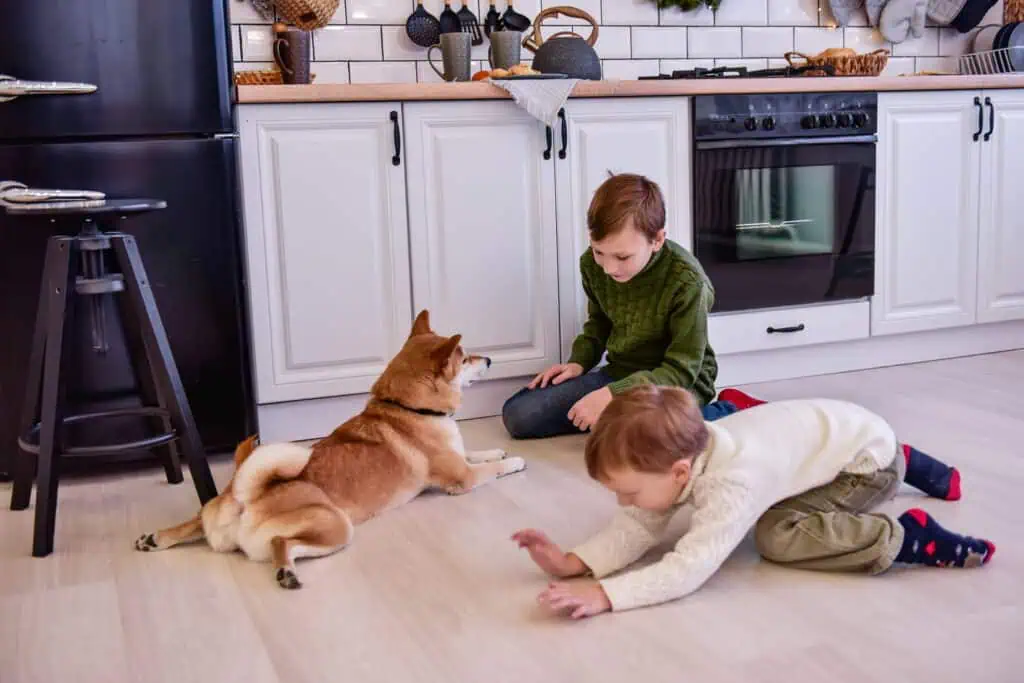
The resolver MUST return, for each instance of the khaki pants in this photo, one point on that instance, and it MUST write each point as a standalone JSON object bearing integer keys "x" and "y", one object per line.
{"x": 830, "y": 528}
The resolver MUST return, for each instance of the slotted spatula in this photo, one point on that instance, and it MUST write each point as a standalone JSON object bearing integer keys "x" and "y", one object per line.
{"x": 469, "y": 24}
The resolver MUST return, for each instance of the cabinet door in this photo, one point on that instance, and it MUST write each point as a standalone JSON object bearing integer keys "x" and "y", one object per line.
{"x": 648, "y": 136}
{"x": 327, "y": 246}
{"x": 927, "y": 212}
{"x": 1001, "y": 224}
{"x": 482, "y": 230}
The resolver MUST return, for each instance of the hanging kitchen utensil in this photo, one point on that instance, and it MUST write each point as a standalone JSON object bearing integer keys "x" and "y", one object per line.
{"x": 469, "y": 24}
{"x": 449, "y": 19}
{"x": 565, "y": 52}
{"x": 513, "y": 20}
{"x": 422, "y": 27}
{"x": 492, "y": 20}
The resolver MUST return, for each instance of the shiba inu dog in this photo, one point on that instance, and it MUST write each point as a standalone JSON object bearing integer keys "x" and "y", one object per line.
{"x": 287, "y": 501}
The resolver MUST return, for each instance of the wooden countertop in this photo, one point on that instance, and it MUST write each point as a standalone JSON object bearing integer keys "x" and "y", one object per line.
{"x": 377, "y": 92}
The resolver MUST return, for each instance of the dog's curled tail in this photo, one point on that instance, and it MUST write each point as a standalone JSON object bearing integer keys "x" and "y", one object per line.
{"x": 266, "y": 464}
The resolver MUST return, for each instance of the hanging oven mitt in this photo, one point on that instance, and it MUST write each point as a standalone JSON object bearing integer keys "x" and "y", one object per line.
{"x": 874, "y": 9}
{"x": 901, "y": 19}
{"x": 843, "y": 10}
{"x": 943, "y": 12}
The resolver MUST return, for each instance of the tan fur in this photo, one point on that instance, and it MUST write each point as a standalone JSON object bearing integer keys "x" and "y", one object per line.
{"x": 287, "y": 501}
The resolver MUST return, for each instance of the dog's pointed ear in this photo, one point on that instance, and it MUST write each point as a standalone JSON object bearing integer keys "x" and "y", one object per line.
{"x": 421, "y": 325}
{"x": 443, "y": 353}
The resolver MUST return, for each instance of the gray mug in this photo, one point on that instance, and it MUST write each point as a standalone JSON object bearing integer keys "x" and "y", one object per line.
{"x": 504, "y": 49}
{"x": 455, "y": 48}
{"x": 292, "y": 54}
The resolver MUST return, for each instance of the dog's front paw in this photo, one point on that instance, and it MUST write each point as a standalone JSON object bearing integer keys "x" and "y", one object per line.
{"x": 286, "y": 578}
{"x": 146, "y": 543}
{"x": 512, "y": 465}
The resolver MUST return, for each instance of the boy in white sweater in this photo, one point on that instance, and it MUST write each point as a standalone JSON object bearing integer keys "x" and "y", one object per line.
{"x": 803, "y": 473}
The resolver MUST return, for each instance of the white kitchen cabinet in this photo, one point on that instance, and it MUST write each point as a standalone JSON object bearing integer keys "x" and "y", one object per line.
{"x": 326, "y": 246}
{"x": 648, "y": 136}
{"x": 482, "y": 230}
{"x": 1001, "y": 222}
{"x": 927, "y": 212}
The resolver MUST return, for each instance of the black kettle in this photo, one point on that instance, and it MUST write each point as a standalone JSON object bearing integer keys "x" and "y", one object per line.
{"x": 565, "y": 52}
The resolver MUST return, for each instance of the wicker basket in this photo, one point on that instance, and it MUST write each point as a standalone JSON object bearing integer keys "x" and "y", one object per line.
{"x": 870, "y": 64}
{"x": 307, "y": 14}
{"x": 264, "y": 77}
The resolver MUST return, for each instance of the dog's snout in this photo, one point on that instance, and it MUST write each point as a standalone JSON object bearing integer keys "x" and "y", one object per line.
{"x": 488, "y": 361}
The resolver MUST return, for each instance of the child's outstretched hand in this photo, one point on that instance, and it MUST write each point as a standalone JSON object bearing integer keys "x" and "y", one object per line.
{"x": 579, "y": 599}
{"x": 547, "y": 555}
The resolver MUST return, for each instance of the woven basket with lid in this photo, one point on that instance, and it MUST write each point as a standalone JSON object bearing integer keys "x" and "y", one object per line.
{"x": 307, "y": 14}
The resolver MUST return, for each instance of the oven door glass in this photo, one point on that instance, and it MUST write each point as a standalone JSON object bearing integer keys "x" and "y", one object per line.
{"x": 787, "y": 224}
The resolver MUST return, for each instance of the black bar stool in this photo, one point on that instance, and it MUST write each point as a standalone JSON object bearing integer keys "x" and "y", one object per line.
{"x": 79, "y": 271}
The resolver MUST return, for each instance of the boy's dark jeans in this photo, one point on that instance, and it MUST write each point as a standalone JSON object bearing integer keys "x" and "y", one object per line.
{"x": 540, "y": 413}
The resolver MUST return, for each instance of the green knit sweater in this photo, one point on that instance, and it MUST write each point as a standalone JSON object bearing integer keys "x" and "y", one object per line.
{"x": 654, "y": 327}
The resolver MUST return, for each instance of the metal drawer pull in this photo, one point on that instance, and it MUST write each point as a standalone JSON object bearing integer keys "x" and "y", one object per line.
{"x": 793, "y": 328}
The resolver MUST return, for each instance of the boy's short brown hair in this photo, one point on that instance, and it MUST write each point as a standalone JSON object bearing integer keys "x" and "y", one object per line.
{"x": 622, "y": 197}
{"x": 646, "y": 428}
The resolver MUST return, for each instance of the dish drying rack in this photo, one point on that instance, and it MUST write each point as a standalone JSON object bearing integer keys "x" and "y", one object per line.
{"x": 1002, "y": 61}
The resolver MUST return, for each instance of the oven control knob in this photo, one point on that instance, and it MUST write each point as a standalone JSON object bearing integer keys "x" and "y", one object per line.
{"x": 827, "y": 120}
{"x": 860, "y": 119}
{"x": 750, "y": 123}
{"x": 768, "y": 123}
{"x": 844, "y": 120}
{"x": 809, "y": 121}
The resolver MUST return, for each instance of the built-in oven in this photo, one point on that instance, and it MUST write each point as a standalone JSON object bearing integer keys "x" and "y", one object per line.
{"x": 784, "y": 201}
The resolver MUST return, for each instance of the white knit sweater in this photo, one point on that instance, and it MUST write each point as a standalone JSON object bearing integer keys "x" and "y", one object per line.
{"x": 754, "y": 459}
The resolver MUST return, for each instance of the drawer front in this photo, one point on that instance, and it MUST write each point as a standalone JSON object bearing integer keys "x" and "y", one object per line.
{"x": 782, "y": 328}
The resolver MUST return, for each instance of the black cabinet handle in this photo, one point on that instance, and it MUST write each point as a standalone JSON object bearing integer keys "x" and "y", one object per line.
{"x": 397, "y": 159}
{"x": 565, "y": 134}
{"x": 991, "y": 117}
{"x": 793, "y": 328}
{"x": 981, "y": 118}
{"x": 547, "y": 150}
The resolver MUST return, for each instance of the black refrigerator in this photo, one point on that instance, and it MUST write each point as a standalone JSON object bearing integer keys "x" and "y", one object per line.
{"x": 159, "y": 124}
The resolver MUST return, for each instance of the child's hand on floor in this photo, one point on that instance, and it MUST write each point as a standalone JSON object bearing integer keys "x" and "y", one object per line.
{"x": 584, "y": 412}
{"x": 580, "y": 599}
{"x": 547, "y": 555}
{"x": 556, "y": 374}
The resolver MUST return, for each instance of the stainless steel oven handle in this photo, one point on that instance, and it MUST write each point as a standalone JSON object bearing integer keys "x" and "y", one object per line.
{"x": 11, "y": 87}
{"x": 788, "y": 142}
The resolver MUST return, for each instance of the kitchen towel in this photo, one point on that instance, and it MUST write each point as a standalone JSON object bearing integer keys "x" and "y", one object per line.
{"x": 542, "y": 98}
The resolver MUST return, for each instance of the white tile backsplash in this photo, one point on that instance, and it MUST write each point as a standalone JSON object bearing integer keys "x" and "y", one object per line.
{"x": 331, "y": 72}
{"x": 366, "y": 40}
{"x": 630, "y": 12}
{"x": 655, "y": 42}
{"x": 347, "y": 43}
{"x": 257, "y": 44}
{"x": 774, "y": 41}
{"x": 864, "y": 39}
{"x": 793, "y": 12}
{"x": 379, "y": 11}
{"x": 613, "y": 42}
{"x": 397, "y": 45}
{"x": 812, "y": 41}
{"x": 717, "y": 41}
{"x": 742, "y": 13}
{"x": 625, "y": 69}
{"x": 382, "y": 72}
{"x": 925, "y": 46}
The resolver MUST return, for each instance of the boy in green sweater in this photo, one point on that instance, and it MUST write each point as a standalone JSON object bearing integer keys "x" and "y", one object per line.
{"x": 648, "y": 302}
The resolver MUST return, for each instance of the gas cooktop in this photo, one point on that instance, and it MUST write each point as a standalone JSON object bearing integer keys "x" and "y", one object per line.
{"x": 743, "y": 72}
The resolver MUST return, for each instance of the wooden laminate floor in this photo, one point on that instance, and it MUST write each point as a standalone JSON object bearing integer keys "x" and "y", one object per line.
{"x": 435, "y": 591}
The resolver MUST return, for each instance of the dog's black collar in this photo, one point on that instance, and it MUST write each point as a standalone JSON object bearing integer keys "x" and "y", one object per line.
{"x": 418, "y": 411}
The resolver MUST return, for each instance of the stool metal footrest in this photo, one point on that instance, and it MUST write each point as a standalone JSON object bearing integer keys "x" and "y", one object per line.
{"x": 30, "y": 442}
